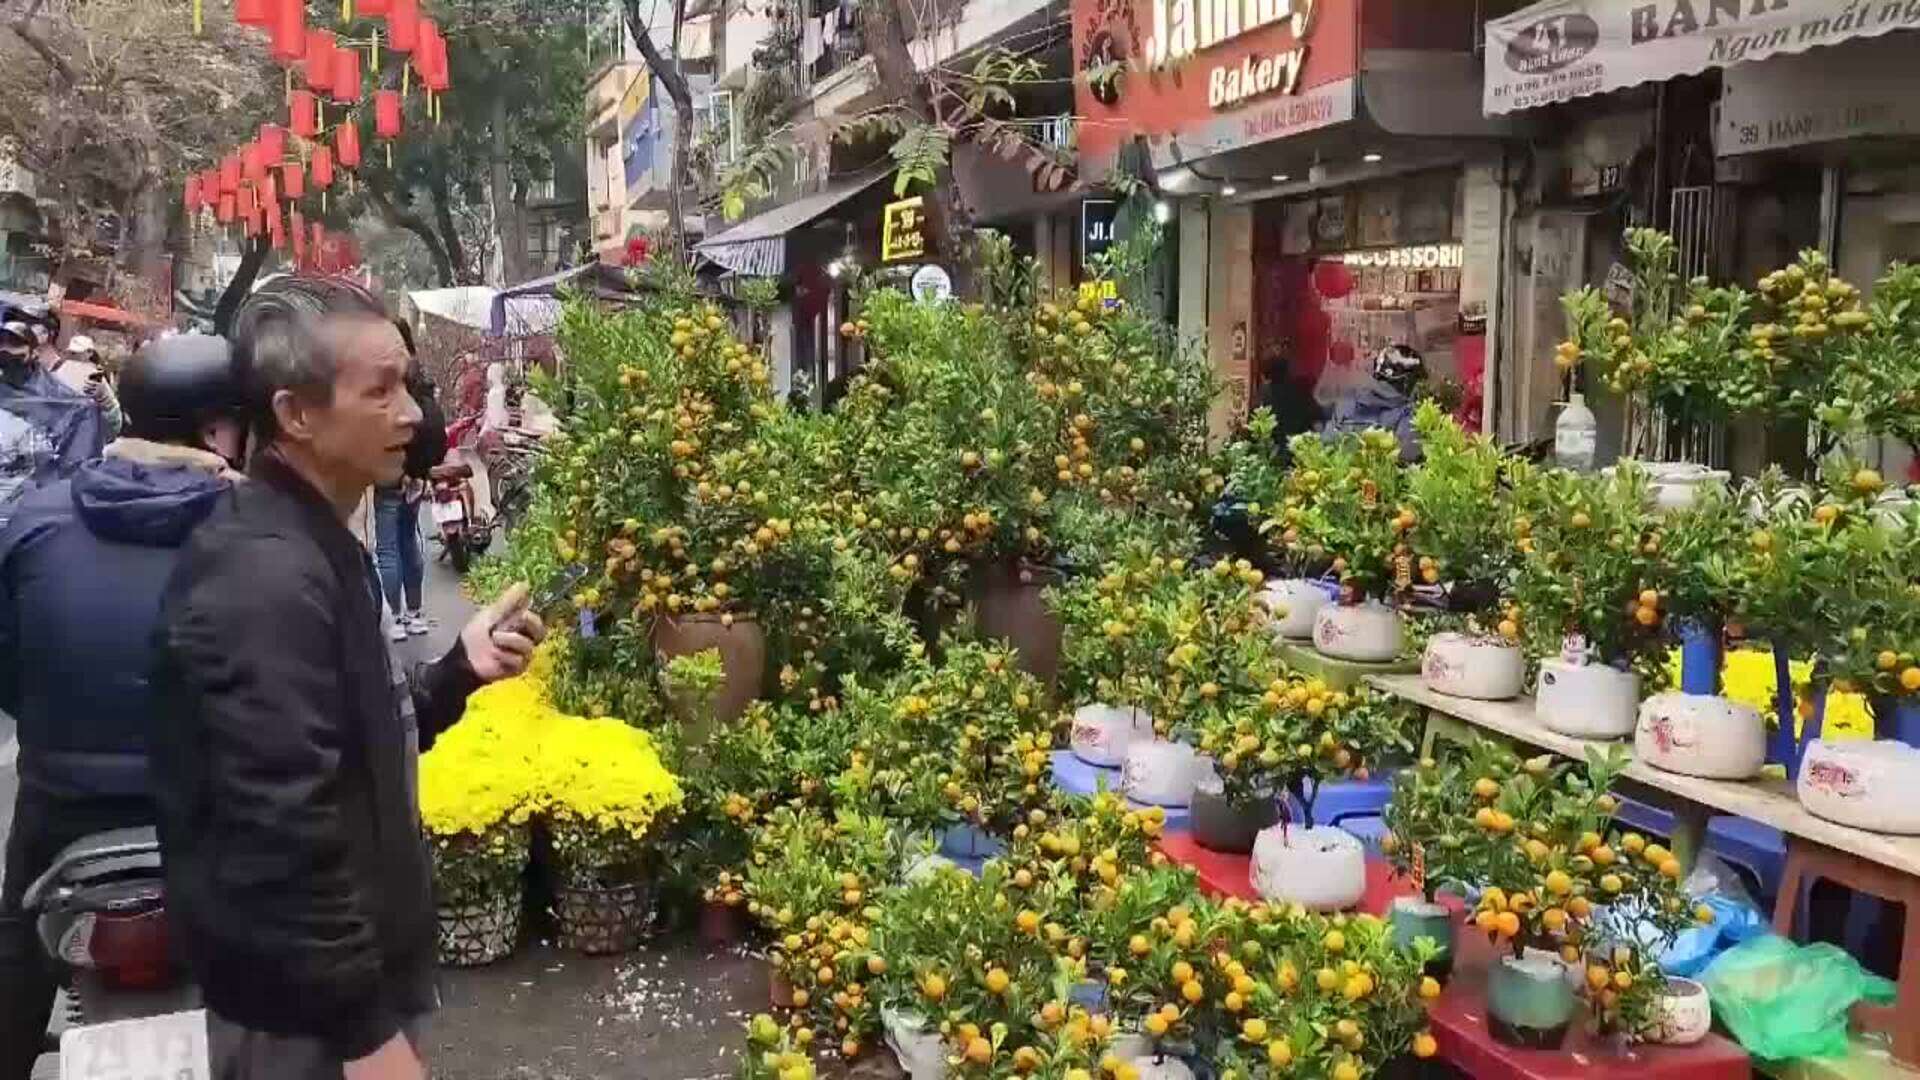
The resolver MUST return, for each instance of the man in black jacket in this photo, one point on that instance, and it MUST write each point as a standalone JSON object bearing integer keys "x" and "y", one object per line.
{"x": 285, "y": 760}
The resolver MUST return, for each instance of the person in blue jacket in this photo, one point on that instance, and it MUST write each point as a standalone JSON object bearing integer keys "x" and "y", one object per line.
{"x": 83, "y": 562}
{"x": 1387, "y": 402}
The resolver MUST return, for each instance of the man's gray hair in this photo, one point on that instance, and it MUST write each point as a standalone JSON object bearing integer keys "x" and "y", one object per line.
{"x": 277, "y": 341}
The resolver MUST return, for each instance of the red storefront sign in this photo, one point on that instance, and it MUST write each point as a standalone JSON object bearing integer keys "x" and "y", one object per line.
{"x": 1197, "y": 77}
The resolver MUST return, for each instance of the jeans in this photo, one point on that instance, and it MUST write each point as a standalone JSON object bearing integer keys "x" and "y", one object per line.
{"x": 396, "y": 538}
{"x": 41, "y": 828}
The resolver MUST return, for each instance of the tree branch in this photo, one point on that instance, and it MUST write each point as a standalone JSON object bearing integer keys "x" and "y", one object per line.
{"x": 443, "y": 217}
{"x": 413, "y": 223}
{"x": 23, "y": 26}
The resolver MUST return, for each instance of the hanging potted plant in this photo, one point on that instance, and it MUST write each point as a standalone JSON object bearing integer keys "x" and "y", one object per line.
{"x": 1586, "y": 595}
{"x": 1459, "y": 543}
{"x": 1364, "y": 520}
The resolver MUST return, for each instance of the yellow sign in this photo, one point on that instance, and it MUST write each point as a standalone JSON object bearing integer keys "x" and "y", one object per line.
{"x": 903, "y": 231}
{"x": 1103, "y": 290}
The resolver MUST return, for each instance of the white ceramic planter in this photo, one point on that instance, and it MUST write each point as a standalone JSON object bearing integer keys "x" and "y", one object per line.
{"x": 1868, "y": 785}
{"x": 1701, "y": 735}
{"x": 922, "y": 1054}
{"x": 1369, "y": 632}
{"x": 1321, "y": 869}
{"x": 1162, "y": 773}
{"x": 1102, "y": 733}
{"x": 1294, "y": 603}
{"x": 1683, "y": 1015}
{"x": 1485, "y": 669}
{"x": 1676, "y": 485}
{"x": 1586, "y": 701}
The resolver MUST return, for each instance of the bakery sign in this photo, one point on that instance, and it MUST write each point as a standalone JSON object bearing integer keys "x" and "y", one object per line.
{"x": 1185, "y": 28}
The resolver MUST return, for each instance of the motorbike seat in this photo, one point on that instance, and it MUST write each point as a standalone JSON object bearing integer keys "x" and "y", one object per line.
{"x": 96, "y": 857}
{"x": 461, "y": 471}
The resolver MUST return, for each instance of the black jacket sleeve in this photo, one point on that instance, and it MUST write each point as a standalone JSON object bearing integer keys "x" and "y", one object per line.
{"x": 257, "y": 659}
{"x": 440, "y": 691}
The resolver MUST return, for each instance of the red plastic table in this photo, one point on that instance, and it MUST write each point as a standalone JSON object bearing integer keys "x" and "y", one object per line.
{"x": 1459, "y": 1014}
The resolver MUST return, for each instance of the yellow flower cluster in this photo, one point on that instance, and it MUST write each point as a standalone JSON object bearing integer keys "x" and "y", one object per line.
{"x": 602, "y": 773}
{"x": 1748, "y": 678}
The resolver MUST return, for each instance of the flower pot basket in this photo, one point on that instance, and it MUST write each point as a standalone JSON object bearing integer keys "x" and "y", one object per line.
{"x": 1007, "y": 604}
{"x": 743, "y": 657}
{"x": 478, "y": 931}
{"x": 602, "y": 920}
{"x": 1294, "y": 603}
{"x": 1223, "y": 824}
{"x": 1868, "y": 785}
{"x": 1530, "y": 1003}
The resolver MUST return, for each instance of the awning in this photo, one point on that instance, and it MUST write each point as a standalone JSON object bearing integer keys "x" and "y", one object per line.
{"x": 1557, "y": 50}
{"x": 468, "y": 305}
{"x": 758, "y": 245}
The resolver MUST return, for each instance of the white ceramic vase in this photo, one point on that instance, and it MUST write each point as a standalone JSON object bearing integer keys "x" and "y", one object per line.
{"x": 1702, "y": 735}
{"x": 1370, "y": 633}
{"x": 1482, "y": 668}
{"x": 1586, "y": 701}
{"x": 1683, "y": 1015}
{"x": 1162, "y": 773}
{"x": 1322, "y": 868}
{"x": 1866, "y": 784}
{"x": 1103, "y": 733}
{"x": 1294, "y": 603}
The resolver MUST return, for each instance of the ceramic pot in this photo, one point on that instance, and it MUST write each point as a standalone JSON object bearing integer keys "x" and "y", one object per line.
{"x": 1530, "y": 1003}
{"x": 1294, "y": 603}
{"x": 1161, "y": 773}
{"x": 1369, "y": 633}
{"x": 1320, "y": 868}
{"x": 1102, "y": 733}
{"x": 1222, "y": 824}
{"x": 1677, "y": 485}
{"x": 743, "y": 659}
{"x": 921, "y": 1052}
{"x": 1683, "y": 1015}
{"x": 1701, "y": 735}
{"x": 1868, "y": 785}
{"x": 1008, "y": 605}
{"x": 1411, "y": 918}
{"x": 1586, "y": 701}
{"x": 1482, "y": 668}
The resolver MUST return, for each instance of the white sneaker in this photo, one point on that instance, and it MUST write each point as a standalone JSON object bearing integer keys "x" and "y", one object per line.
{"x": 398, "y": 631}
{"x": 419, "y": 625}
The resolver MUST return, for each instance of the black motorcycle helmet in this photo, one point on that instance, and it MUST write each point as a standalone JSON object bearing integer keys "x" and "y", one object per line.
{"x": 175, "y": 386}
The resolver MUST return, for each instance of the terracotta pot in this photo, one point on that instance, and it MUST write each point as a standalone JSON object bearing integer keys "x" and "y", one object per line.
{"x": 1367, "y": 633}
{"x": 1701, "y": 735}
{"x": 1529, "y": 1002}
{"x": 1321, "y": 869}
{"x": 1586, "y": 701}
{"x": 1868, "y": 785}
{"x": 779, "y": 990}
{"x": 1484, "y": 669}
{"x": 1222, "y": 824}
{"x": 1008, "y": 605}
{"x": 722, "y": 924}
{"x": 1684, "y": 1014}
{"x": 743, "y": 655}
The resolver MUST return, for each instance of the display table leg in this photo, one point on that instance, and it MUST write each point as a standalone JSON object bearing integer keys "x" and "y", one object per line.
{"x": 1441, "y": 726}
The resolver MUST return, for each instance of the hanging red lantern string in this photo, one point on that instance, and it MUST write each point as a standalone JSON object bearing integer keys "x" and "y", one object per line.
{"x": 403, "y": 26}
{"x": 226, "y": 210}
{"x": 386, "y": 114}
{"x": 293, "y": 180}
{"x": 346, "y": 144}
{"x": 318, "y": 68}
{"x": 289, "y": 32}
{"x": 303, "y": 114}
{"x": 253, "y": 12}
{"x": 321, "y": 167}
{"x": 346, "y": 76}
{"x": 273, "y": 143}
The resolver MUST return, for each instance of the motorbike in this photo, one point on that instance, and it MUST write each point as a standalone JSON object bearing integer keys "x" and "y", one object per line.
{"x": 464, "y": 530}
{"x": 127, "y": 1006}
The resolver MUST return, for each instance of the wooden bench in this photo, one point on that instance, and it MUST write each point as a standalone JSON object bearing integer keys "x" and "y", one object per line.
{"x": 1884, "y": 866}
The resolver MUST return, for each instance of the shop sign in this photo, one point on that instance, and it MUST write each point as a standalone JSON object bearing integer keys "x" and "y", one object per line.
{"x": 1103, "y": 291}
{"x": 903, "y": 232}
{"x": 1862, "y": 88}
{"x": 1416, "y": 257}
{"x": 1097, "y": 217}
{"x": 1557, "y": 50}
{"x": 932, "y": 284}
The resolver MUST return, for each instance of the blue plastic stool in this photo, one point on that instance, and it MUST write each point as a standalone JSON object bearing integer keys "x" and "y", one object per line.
{"x": 1339, "y": 800}
{"x": 1076, "y": 777}
{"x": 1759, "y": 850}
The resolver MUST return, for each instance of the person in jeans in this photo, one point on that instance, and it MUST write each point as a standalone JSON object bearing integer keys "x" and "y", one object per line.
{"x": 285, "y": 754}
{"x": 396, "y": 507}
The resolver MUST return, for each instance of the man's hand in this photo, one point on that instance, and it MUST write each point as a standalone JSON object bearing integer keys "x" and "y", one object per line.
{"x": 395, "y": 1060}
{"x": 501, "y": 638}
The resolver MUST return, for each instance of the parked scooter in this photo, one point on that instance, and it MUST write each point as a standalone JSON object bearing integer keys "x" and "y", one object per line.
{"x": 464, "y": 530}
{"x": 101, "y": 913}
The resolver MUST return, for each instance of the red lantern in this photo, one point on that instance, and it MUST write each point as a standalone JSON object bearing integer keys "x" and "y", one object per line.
{"x": 346, "y": 76}
{"x": 432, "y": 49}
{"x": 371, "y": 8}
{"x": 322, "y": 167}
{"x": 403, "y": 26}
{"x": 229, "y": 174}
{"x": 252, "y": 12}
{"x": 1332, "y": 279}
{"x": 249, "y": 200}
{"x": 253, "y": 163}
{"x": 275, "y": 220}
{"x": 293, "y": 180}
{"x": 269, "y": 189}
{"x": 289, "y": 32}
{"x": 318, "y": 68}
{"x": 210, "y": 187}
{"x": 346, "y": 145}
{"x": 303, "y": 114}
{"x": 226, "y": 210}
{"x": 386, "y": 114}
{"x": 319, "y": 238}
{"x": 273, "y": 143}
{"x": 191, "y": 198}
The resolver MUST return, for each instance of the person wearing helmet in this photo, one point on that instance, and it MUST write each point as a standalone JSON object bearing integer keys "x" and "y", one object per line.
{"x": 83, "y": 562}
{"x": 46, "y": 429}
{"x": 1387, "y": 402}
{"x": 78, "y": 366}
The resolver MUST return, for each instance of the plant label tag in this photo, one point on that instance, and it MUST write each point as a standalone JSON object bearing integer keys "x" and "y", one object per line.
{"x": 1573, "y": 649}
{"x": 1369, "y": 494}
{"x": 1402, "y": 571}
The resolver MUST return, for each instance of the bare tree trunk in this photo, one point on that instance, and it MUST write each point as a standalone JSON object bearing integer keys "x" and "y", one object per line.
{"x": 668, "y": 72}
{"x": 449, "y": 231}
{"x": 508, "y": 222}
{"x": 393, "y": 215}
{"x": 250, "y": 262}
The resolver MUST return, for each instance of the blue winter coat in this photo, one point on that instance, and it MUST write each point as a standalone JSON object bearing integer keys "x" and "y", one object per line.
{"x": 82, "y": 566}
{"x": 1376, "y": 405}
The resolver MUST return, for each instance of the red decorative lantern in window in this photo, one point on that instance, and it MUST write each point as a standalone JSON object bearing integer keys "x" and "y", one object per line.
{"x": 289, "y": 32}
{"x": 273, "y": 143}
{"x": 252, "y": 12}
{"x": 346, "y": 76}
{"x": 226, "y": 209}
{"x": 293, "y": 180}
{"x": 403, "y": 26}
{"x": 318, "y": 68}
{"x": 386, "y": 114}
{"x": 210, "y": 187}
{"x": 321, "y": 167}
{"x": 346, "y": 145}
{"x": 303, "y": 114}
